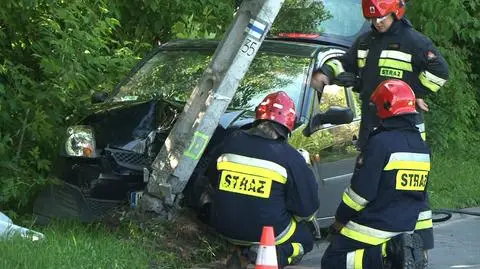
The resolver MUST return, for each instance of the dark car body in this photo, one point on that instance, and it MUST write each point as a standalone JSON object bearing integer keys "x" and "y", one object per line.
{"x": 125, "y": 131}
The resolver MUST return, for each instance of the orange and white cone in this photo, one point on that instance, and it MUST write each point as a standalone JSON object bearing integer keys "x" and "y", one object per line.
{"x": 267, "y": 253}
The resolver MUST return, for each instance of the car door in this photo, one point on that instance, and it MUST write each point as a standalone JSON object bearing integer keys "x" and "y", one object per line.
{"x": 331, "y": 150}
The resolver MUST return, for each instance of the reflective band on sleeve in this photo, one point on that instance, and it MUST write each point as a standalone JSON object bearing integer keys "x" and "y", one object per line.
{"x": 336, "y": 65}
{"x": 435, "y": 79}
{"x": 350, "y": 203}
{"x": 424, "y": 224}
{"x": 430, "y": 81}
{"x": 395, "y": 64}
{"x": 407, "y": 160}
{"x": 366, "y": 234}
{"x": 353, "y": 200}
{"x": 397, "y": 55}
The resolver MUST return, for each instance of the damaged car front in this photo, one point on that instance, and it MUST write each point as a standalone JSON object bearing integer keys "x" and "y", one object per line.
{"x": 108, "y": 155}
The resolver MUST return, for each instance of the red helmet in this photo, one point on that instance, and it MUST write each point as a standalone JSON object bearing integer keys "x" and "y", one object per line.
{"x": 393, "y": 97}
{"x": 381, "y": 8}
{"x": 277, "y": 107}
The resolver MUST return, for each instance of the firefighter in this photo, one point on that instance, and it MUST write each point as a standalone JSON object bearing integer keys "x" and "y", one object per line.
{"x": 392, "y": 49}
{"x": 379, "y": 210}
{"x": 263, "y": 181}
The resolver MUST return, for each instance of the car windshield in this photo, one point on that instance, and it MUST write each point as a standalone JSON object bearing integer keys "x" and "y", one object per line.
{"x": 346, "y": 18}
{"x": 172, "y": 75}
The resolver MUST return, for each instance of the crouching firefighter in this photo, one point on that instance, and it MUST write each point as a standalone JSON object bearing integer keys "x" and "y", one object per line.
{"x": 263, "y": 181}
{"x": 376, "y": 218}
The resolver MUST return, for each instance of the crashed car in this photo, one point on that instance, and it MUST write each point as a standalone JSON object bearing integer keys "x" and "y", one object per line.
{"x": 107, "y": 156}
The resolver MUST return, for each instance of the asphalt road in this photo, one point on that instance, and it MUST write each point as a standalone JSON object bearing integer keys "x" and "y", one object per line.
{"x": 457, "y": 244}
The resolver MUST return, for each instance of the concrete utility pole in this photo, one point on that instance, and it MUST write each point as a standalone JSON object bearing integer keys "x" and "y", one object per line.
{"x": 190, "y": 135}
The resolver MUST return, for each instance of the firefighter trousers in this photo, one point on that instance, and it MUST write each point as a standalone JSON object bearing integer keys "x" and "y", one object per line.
{"x": 344, "y": 253}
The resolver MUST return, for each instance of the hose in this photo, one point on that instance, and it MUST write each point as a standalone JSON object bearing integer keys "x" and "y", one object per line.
{"x": 448, "y": 214}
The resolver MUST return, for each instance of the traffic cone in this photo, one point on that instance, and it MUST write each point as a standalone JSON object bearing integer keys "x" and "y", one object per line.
{"x": 267, "y": 253}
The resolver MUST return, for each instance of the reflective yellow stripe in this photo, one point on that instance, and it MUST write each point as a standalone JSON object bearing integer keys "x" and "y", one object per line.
{"x": 428, "y": 83}
{"x": 395, "y": 54}
{"x": 362, "y": 237}
{"x": 336, "y": 65}
{"x": 282, "y": 238}
{"x": 359, "y": 258}
{"x": 395, "y": 64}
{"x": 252, "y": 170}
{"x": 424, "y": 224}
{"x": 435, "y": 79}
{"x": 297, "y": 251}
{"x": 235, "y": 158}
{"x": 424, "y": 136}
{"x": 408, "y": 160}
{"x": 352, "y": 204}
{"x": 366, "y": 234}
{"x": 397, "y": 165}
{"x": 384, "y": 249}
{"x": 361, "y": 63}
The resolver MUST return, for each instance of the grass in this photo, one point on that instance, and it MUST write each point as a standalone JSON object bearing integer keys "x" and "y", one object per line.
{"x": 454, "y": 181}
{"x": 122, "y": 245}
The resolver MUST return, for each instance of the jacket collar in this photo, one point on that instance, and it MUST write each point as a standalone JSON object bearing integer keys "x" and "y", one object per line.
{"x": 404, "y": 122}
{"x": 396, "y": 26}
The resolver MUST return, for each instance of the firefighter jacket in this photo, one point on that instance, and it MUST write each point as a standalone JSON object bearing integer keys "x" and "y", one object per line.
{"x": 261, "y": 182}
{"x": 388, "y": 187}
{"x": 400, "y": 53}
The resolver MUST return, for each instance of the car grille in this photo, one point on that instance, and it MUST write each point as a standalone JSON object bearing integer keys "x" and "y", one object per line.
{"x": 131, "y": 160}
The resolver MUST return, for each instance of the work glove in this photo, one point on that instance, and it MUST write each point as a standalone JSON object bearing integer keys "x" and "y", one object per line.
{"x": 346, "y": 79}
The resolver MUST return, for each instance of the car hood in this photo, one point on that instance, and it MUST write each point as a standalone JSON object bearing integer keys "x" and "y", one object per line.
{"x": 121, "y": 125}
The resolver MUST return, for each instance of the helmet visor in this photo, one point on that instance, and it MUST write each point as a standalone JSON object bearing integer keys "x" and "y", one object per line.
{"x": 378, "y": 19}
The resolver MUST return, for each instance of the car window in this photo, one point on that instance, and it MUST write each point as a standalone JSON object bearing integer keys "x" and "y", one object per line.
{"x": 346, "y": 18}
{"x": 332, "y": 142}
{"x": 173, "y": 75}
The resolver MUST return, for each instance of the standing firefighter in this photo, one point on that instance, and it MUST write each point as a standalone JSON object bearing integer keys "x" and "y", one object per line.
{"x": 379, "y": 210}
{"x": 263, "y": 181}
{"x": 392, "y": 49}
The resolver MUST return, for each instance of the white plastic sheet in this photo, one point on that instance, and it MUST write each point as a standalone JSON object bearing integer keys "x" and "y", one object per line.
{"x": 8, "y": 229}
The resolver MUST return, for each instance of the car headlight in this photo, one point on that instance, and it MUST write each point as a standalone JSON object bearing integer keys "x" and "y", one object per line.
{"x": 80, "y": 141}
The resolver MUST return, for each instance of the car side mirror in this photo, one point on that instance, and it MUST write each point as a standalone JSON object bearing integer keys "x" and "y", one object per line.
{"x": 99, "y": 97}
{"x": 334, "y": 115}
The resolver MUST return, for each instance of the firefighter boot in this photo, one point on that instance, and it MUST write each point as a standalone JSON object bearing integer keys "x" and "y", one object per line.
{"x": 405, "y": 251}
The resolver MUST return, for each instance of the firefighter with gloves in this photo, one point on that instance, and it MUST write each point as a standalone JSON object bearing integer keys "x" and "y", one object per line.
{"x": 392, "y": 49}
{"x": 379, "y": 210}
{"x": 263, "y": 181}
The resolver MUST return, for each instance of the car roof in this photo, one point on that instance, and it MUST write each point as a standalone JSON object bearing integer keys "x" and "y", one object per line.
{"x": 283, "y": 47}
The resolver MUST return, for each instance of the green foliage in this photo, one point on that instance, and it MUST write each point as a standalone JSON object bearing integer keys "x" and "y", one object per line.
{"x": 454, "y": 119}
{"x": 312, "y": 14}
{"x": 54, "y": 54}
{"x": 158, "y": 20}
